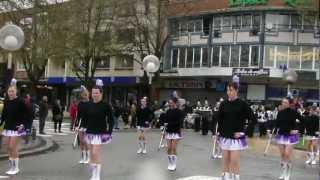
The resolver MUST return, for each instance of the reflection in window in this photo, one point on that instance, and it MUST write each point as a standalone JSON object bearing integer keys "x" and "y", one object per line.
{"x": 174, "y": 61}
{"x": 294, "y": 57}
{"x": 215, "y": 55}
{"x": 269, "y": 56}
{"x": 282, "y": 55}
{"x": 254, "y": 55}
{"x": 182, "y": 57}
{"x": 217, "y": 22}
{"x": 197, "y": 53}
{"x": 246, "y": 21}
{"x": 244, "y": 61}
{"x": 234, "y": 56}
{"x": 103, "y": 62}
{"x": 189, "y": 57}
{"x": 225, "y": 52}
{"x": 226, "y": 22}
{"x": 205, "y": 57}
{"x": 307, "y": 57}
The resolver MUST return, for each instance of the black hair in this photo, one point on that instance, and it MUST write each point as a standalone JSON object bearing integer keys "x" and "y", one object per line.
{"x": 174, "y": 99}
{"x": 99, "y": 88}
{"x": 233, "y": 85}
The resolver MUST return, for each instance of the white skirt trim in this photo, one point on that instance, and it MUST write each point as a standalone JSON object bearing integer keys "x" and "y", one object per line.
{"x": 97, "y": 139}
{"x": 232, "y": 144}
{"x": 287, "y": 139}
{"x": 171, "y": 136}
{"x": 11, "y": 133}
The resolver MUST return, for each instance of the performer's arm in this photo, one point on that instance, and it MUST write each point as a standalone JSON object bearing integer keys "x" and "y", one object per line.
{"x": 3, "y": 115}
{"x": 110, "y": 120}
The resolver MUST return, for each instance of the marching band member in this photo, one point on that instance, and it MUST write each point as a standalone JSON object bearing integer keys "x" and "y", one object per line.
{"x": 14, "y": 117}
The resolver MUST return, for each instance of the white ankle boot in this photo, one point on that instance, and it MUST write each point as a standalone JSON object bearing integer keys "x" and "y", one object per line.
{"x": 15, "y": 167}
{"x": 174, "y": 162}
{"x": 87, "y": 157}
{"x": 169, "y": 162}
{"x": 225, "y": 176}
{"x": 140, "y": 148}
{"x": 83, "y": 157}
{"x": 144, "y": 151}
{"x": 10, "y": 166}
{"x": 284, "y": 169}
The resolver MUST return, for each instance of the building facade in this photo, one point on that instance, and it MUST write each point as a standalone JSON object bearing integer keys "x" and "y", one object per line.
{"x": 210, "y": 41}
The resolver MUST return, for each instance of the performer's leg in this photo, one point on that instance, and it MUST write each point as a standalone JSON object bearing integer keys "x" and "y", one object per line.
{"x": 235, "y": 164}
{"x": 288, "y": 152}
{"x": 14, "y": 155}
{"x": 95, "y": 161}
{"x": 226, "y": 158}
{"x": 313, "y": 151}
{"x": 174, "y": 156}
{"x": 283, "y": 163}
{"x": 140, "y": 141}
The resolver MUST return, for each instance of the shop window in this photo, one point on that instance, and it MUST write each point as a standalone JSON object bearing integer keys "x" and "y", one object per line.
{"x": 215, "y": 55}
{"x": 197, "y": 56}
{"x": 189, "y": 57}
{"x": 205, "y": 57}
{"x": 269, "y": 56}
{"x": 124, "y": 62}
{"x": 182, "y": 57}
{"x": 282, "y": 56}
{"x": 254, "y": 55}
{"x": 225, "y": 54}
{"x": 294, "y": 57}
{"x": 307, "y": 57}
{"x": 174, "y": 61}
{"x": 234, "y": 56}
{"x": 103, "y": 62}
{"x": 244, "y": 60}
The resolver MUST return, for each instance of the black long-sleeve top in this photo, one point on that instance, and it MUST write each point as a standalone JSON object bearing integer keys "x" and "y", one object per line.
{"x": 287, "y": 121}
{"x": 311, "y": 124}
{"x": 232, "y": 116}
{"x": 144, "y": 116}
{"x": 14, "y": 114}
{"x": 82, "y": 114}
{"x": 174, "y": 118}
{"x": 100, "y": 118}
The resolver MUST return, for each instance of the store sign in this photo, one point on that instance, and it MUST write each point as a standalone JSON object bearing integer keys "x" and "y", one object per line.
{"x": 251, "y": 72}
{"x": 192, "y": 84}
{"x": 235, "y": 3}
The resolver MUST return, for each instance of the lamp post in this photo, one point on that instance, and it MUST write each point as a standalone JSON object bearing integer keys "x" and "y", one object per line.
{"x": 151, "y": 65}
{"x": 11, "y": 39}
{"x": 290, "y": 77}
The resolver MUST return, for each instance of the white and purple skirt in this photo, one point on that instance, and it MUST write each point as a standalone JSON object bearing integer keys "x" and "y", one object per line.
{"x": 97, "y": 139}
{"x": 287, "y": 139}
{"x": 232, "y": 144}
{"x": 173, "y": 136}
{"x": 11, "y": 133}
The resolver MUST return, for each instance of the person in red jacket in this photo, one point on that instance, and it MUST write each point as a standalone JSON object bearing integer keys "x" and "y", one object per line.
{"x": 73, "y": 110}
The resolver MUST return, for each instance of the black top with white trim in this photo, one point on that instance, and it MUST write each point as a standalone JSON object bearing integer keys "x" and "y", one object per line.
{"x": 174, "y": 118}
{"x": 14, "y": 114}
{"x": 232, "y": 117}
{"x": 100, "y": 118}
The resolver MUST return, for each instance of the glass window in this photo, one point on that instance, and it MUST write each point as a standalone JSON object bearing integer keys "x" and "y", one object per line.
{"x": 256, "y": 21}
{"x": 189, "y": 57}
{"x": 124, "y": 62}
{"x": 271, "y": 19}
{"x": 296, "y": 22}
{"x": 183, "y": 26}
{"x": 197, "y": 56}
{"x": 234, "y": 56}
{"x": 269, "y": 56}
{"x": 126, "y": 35}
{"x": 294, "y": 57}
{"x": 182, "y": 57}
{"x": 244, "y": 61}
{"x": 205, "y": 57}
{"x": 175, "y": 28}
{"x": 20, "y": 66}
{"x": 317, "y": 59}
{"x": 174, "y": 61}
{"x": 236, "y": 22}
{"x": 308, "y": 22}
{"x": 226, "y": 22}
{"x": 246, "y": 21}
{"x": 103, "y": 62}
{"x": 225, "y": 53}
{"x": 282, "y": 55}
{"x": 307, "y": 57}
{"x": 283, "y": 21}
{"x": 190, "y": 26}
{"x": 198, "y": 26}
{"x": 254, "y": 55}
{"x": 215, "y": 55}
{"x": 217, "y": 22}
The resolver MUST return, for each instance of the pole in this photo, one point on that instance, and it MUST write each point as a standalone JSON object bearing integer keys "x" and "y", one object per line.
{"x": 288, "y": 89}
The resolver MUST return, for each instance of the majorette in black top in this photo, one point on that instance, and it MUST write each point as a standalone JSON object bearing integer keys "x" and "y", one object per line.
{"x": 82, "y": 114}
{"x": 174, "y": 118}
{"x": 287, "y": 121}
{"x": 311, "y": 124}
{"x": 14, "y": 114}
{"x": 144, "y": 116}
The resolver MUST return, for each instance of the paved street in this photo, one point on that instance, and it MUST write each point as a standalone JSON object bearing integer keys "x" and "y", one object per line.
{"x": 120, "y": 162}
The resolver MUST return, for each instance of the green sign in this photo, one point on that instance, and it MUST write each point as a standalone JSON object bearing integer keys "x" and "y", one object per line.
{"x": 247, "y": 2}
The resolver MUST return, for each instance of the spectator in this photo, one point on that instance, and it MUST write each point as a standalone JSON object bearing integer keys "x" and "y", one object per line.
{"x": 73, "y": 110}
{"x": 43, "y": 113}
{"x": 57, "y": 115}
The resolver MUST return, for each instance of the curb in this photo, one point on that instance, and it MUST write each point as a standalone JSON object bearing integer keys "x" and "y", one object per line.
{"x": 45, "y": 146}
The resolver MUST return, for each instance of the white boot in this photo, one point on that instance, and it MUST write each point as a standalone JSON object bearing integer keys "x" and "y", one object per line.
{"x": 288, "y": 171}
{"x": 174, "y": 162}
{"x": 309, "y": 158}
{"x": 236, "y": 177}
{"x": 284, "y": 169}
{"x": 140, "y": 148}
{"x": 15, "y": 167}
{"x": 144, "y": 151}
{"x": 169, "y": 162}
{"x": 225, "y": 176}
{"x": 11, "y": 166}
{"x": 314, "y": 159}
{"x": 83, "y": 157}
{"x": 98, "y": 172}
{"x": 87, "y": 157}
{"x": 93, "y": 171}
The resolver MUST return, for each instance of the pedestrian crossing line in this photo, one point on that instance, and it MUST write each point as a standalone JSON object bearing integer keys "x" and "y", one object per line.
{"x": 4, "y": 177}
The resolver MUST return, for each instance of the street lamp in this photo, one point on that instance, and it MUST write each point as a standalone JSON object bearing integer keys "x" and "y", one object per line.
{"x": 290, "y": 77}
{"x": 151, "y": 65}
{"x": 11, "y": 39}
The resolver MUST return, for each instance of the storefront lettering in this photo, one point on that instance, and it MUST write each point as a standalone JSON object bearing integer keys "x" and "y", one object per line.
{"x": 184, "y": 84}
{"x": 246, "y": 2}
{"x": 250, "y": 72}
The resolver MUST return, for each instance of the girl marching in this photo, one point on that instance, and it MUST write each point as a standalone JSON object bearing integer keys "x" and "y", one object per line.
{"x": 82, "y": 124}
{"x": 173, "y": 119}
{"x": 232, "y": 116}
{"x": 286, "y": 124}
{"x": 14, "y": 117}
{"x": 99, "y": 128}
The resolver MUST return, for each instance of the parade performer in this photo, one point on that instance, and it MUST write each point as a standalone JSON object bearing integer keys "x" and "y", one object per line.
{"x": 144, "y": 117}
{"x": 99, "y": 128}
{"x": 81, "y": 124}
{"x": 287, "y": 127}
{"x": 173, "y": 119}
{"x": 14, "y": 117}
{"x": 232, "y": 117}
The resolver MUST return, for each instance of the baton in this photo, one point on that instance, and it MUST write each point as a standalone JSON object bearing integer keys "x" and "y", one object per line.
{"x": 75, "y": 141}
{"x": 268, "y": 143}
{"x": 214, "y": 142}
{"x": 162, "y": 137}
